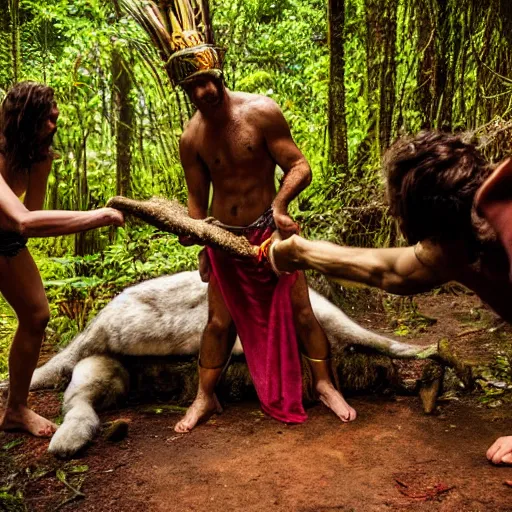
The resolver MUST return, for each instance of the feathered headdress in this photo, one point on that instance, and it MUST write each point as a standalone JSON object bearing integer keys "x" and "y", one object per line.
{"x": 182, "y": 32}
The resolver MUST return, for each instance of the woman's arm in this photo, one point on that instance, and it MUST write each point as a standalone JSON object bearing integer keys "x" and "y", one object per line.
{"x": 15, "y": 216}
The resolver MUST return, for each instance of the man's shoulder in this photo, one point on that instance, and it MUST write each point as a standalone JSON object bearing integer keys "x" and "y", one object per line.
{"x": 255, "y": 102}
{"x": 194, "y": 122}
{"x": 190, "y": 129}
{"x": 258, "y": 109}
{"x": 442, "y": 255}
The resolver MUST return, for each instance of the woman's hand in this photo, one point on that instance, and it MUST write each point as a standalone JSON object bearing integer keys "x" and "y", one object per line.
{"x": 284, "y": 254}
{"x": 113, "y": 217}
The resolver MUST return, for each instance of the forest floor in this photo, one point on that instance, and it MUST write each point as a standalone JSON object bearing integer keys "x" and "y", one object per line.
{"x": 393, "y": 457}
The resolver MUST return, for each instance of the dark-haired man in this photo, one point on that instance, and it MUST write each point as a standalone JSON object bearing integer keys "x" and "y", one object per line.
{"x": 233, "y": 143}
{"x": 438, "y": 189}
{"x": 28, "y": 122}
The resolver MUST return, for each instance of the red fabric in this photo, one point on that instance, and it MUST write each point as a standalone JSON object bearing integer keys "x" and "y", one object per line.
{"x": 260, "y": 305}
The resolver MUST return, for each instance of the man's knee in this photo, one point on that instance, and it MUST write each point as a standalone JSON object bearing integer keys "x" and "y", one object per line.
{"x": 218, "y": 326}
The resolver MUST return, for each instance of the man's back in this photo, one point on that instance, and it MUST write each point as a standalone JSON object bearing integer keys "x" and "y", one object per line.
{"x": 487, "y": 277}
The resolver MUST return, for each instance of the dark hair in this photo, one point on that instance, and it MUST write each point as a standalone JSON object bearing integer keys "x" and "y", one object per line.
{"x": 23, "y": 112}
{"x": 432, "y": 179}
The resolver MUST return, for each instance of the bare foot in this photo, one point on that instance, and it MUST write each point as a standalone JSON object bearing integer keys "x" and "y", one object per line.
{"x": 24, "y": 418}
{"x": 200, "y": 410}
{"x": 333, "y": 399}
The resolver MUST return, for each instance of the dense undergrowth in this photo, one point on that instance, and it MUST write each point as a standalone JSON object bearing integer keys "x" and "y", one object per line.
{"x": 408, "y": 65}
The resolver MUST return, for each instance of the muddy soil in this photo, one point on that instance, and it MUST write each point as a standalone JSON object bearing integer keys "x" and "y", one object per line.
{"x": 393, "y": 457}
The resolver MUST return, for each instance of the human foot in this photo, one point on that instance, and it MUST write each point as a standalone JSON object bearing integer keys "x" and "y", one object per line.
{"x": 23, "y": 418}
{"x": 334, "y": 400}
{"x": 200, "y": 410}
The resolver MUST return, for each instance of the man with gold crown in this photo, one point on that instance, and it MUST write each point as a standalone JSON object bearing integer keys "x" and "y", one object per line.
{"x": 233, "y": 143}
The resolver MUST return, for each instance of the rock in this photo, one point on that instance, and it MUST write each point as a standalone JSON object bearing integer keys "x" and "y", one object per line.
{"x": 116, "y": 430}
{"x": 431, "y": 385}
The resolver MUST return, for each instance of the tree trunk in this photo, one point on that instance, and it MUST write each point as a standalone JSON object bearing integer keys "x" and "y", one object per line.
{"x": 425, "y": 46}
{"x": 122, "y": 85}
{"x": 121, "y": 88}
{"x": 14, "y": 6}
{"x": 5, "y": 46}
{"x": 337, "y": 124}
{"x": 440, "y": 62}
{"x": 387, "y": 75}
{"x": 81, "y": 243}
{"x": 373, "y": 36}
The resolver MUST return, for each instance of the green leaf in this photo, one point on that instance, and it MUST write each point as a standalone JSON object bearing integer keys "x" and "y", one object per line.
{"x": 12, "y": 444}
{"x": 78, "y": 469}
{"x": 61, "y": 476}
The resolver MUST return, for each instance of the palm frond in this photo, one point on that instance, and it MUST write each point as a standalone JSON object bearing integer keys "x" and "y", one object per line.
{"x": 181, "y": 31}
{"x": 148, "y": 16}
{"x": 207, "y": 28}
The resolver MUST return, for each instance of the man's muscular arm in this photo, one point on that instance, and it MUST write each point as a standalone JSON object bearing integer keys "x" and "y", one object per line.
{"x": 395, "y": 270}
{"x": 284, "y": 151}
{"x": 197, "y": 177}
{"x": 198, "y": 181}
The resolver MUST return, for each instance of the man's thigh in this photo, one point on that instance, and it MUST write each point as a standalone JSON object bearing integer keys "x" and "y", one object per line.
{"x": 309, "y": 331}
{"x": 220, "y": 333}
{"x": 218, "y": 313}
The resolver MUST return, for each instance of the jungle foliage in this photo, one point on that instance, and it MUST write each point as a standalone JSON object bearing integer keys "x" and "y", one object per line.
{"x": 350, "y": 76}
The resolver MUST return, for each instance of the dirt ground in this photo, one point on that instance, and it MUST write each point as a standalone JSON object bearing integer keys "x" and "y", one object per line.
{"x": 393, "y": 457}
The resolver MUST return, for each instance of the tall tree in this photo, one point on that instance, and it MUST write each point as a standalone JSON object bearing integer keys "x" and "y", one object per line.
{"x": 387, "y": 85}
{"x": 337, "y": 124}
{"x": 14, "y": 12}
{"x": 121, "y": 93}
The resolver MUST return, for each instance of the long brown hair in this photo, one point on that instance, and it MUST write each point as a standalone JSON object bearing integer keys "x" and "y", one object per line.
{"x": 23, "y": 112}
{"x": 432, "y": 179}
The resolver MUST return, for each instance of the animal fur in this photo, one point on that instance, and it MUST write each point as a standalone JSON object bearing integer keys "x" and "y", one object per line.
{"x": 160, "y": 317}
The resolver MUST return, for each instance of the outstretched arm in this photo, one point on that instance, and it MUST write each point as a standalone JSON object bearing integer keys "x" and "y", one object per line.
{"x": 15, "y": 216}
{"x": 395, "y": 270}
{"x": 286, "y": 154}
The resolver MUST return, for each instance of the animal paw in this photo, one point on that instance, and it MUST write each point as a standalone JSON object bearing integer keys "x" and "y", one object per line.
{"x": 69, "y": 439}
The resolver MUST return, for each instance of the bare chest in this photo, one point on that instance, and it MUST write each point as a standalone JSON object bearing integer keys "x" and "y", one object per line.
{"x": 237, "y": 147}
{"x": 489, "y": 279}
